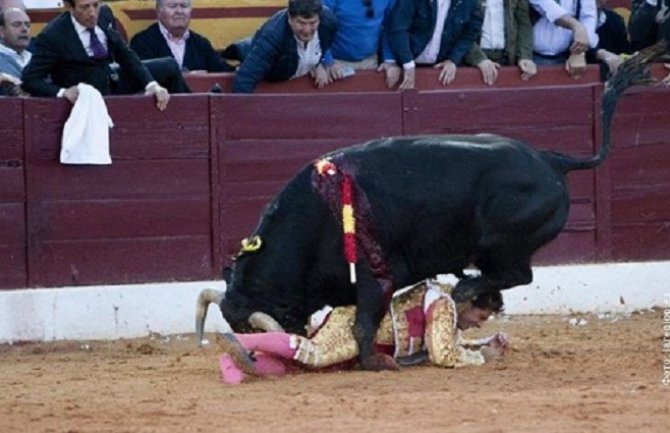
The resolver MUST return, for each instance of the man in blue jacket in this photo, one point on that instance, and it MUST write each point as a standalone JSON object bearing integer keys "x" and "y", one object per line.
{"x": 292, "y": 43}
{"x": 432, "y": 32}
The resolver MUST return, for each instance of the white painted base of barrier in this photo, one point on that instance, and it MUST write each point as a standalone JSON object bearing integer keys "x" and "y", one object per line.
{"x": 128, "y": 311}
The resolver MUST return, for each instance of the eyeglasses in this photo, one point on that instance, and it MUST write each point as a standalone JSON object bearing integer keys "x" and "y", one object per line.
{"x": 369, "y": 10}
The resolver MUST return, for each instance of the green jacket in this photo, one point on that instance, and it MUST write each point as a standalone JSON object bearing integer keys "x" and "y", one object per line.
{"x": 518, "y": 33}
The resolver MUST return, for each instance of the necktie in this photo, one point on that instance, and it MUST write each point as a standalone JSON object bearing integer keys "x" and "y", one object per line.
{"x": 99, "y": 50}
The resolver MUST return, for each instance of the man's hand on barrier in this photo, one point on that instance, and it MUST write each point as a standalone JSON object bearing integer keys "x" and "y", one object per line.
{"x": 528, "y": 69}
{"x": 489, "y": 70}
{"x": 321, "y": 77}
{"x": 392, "y": 73}
{"x": 71, "y": 94}
{"x": 613, "y": 61}
{"x": 448, "y": 73}
{"x": 161, "y": 94}
{"x": 408, "y": 79}
{"x": 336, "y": 71}
{"x": 576, "y": 65}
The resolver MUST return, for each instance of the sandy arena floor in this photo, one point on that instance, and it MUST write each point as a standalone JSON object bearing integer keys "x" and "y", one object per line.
{"x": 600, "y": 376}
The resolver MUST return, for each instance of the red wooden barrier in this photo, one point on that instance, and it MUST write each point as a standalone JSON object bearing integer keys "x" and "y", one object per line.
{"x": 13, "y": 271}
{"x": 146, "y": 217}
{"x": 640, "y": 178}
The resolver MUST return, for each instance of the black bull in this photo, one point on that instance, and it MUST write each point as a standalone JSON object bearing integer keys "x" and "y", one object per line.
{"x": 424, "y": 206}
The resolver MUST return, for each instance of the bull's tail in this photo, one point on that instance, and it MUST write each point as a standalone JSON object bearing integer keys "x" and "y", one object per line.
{"x": 634, "y": 71}
{"x": 205, "y": 297}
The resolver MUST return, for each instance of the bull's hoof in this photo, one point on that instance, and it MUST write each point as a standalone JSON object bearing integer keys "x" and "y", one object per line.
{"x": 414, "y": 359}
{"x": 379, "y": 362}
{"x": 241, "y": 357}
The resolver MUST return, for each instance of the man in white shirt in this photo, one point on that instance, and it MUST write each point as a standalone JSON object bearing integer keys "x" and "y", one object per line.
{"x": 563, "y": 33}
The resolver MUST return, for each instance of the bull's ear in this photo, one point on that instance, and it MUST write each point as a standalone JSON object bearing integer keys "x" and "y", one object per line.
{"x": 227, "y": 274}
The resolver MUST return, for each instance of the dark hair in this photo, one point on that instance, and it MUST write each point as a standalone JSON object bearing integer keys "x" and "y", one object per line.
{"x": 304, "y": 8}
{"x": 70, "y": 2}
{"x": 489, "y": 301}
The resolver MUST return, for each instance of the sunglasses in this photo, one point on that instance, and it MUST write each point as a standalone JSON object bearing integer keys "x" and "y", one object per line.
{"x": 369, "y": 10}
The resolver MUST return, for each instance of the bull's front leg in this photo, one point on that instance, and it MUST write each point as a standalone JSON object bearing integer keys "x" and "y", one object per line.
{"x": 370, "y": 308}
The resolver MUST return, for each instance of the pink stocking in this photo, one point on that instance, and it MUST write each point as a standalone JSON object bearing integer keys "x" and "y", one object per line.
{"x": 268, "y": 365}
{"x": 230, "y": 373}
{"x": 273, "y": 343}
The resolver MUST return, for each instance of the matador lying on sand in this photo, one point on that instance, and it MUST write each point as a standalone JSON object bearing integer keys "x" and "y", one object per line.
{"x": 423, "y": 322}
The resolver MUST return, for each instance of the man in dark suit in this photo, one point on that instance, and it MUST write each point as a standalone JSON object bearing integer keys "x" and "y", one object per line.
{"x": 171, "y": 37}
{"x": 79, "y": 45}
{"x": 649, "y": 22}
{"x": 612, "y": 41}
{"x": 294, "y": 42}
{"x": 433, "y": 32}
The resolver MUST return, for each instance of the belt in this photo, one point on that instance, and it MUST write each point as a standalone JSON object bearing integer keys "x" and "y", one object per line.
{"x": 498, "y": 56}
{"x": 563, "y": 55}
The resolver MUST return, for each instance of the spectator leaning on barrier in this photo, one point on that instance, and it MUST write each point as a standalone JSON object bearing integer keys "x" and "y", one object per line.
{"x": 563, "y": 33}
{"x": 506, "y": 39}
{"x": 360, "y": 37}
{"x": 437, "y": 33}
{"x": 79, "y": 45}
{"x": 649, "y": 22}
{"x": 612, "y": 40}
{"x": 294, "y": 42}
{"x": 171, "y": 37}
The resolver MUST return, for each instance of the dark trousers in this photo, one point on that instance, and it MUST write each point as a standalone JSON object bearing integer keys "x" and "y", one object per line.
{"x": 164, "y": 70}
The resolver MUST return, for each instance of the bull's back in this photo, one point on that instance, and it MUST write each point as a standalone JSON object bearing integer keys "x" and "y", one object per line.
{"x": 436, "y": 164}
{"x": 433, "y": 198}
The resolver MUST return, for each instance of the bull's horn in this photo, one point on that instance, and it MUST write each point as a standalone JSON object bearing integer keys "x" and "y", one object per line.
{"x": 205, "y": 297}
{"x": 265, "y": 322}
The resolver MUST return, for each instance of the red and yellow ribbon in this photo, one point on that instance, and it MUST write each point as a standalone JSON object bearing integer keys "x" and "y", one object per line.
{"x": 349, "y": 227}
{"x": 325, "y": 167}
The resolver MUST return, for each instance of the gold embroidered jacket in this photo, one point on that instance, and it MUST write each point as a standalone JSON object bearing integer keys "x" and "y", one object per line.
{"x": 422, "y": 316}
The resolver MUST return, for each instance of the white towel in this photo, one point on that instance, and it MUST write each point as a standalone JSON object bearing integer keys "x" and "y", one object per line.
{"x": 86, "y": 131}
